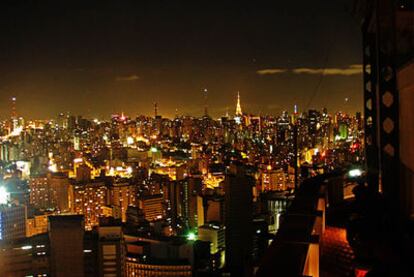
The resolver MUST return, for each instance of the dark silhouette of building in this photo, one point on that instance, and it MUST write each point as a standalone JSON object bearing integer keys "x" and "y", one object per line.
{"x": 238, "y": 221}
{"x": 66, "y": 235}
{"x": 12, "y": 222}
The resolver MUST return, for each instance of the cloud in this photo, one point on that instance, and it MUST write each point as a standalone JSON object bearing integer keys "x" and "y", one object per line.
{"x": 127, "y": 78}
{"x": 271, "y": 71}
{"x": 304, "y": 70}
{"x": 354, "y": 69}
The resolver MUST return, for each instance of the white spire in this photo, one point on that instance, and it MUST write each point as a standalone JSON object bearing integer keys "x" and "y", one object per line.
{"x": 238, "y": 106}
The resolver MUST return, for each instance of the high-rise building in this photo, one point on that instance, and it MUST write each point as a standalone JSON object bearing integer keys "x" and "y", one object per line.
{"x": 152, "y": 205}
{"x": 25, "y": 257}
{"x": 214, "y": 208}
{"x": 111, "y": 251}
{"x": 66, "y": 235}
{"x": 59, "y": 191}
{"x": 36, "y": 225}
{"x": 260, "y": 238}
{"x": 4, "y": 151}
{"x": 50, "y": 191}
{"x": 152, "y": 257}
{"x": 283, "y": 128}
{"x": 273, "y": 179}
{"x": 71, "y": 123}
{"x": 123, "y": 195}
{"x": 88, "y": 199}
{"x": 238, "y": 221}
{"x": 12, "y": 222}
{"x": 172, "y": 197}
{"x": 314, "y": 117}
{"x": 39, "y": 192}
{"x": 192, "y": 202}
{"x": 215, "y": 235}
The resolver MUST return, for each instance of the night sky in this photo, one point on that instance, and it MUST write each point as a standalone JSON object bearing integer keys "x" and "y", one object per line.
{"x": 100, "y": 57}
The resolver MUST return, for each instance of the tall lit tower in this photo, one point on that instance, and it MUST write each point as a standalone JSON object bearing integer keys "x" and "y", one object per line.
{"x": 238, "y": 106}
{"x": 295, "y": 113}
{"x": 14, "y": 119}
{"x": 205, "y": 93}
{"x": 13, "y": 108}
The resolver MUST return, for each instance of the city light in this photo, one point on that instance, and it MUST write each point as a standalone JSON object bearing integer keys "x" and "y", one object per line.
{"x": 191, "y": 236}
{"x": 355, "y": 173}
{"x": 237, "y": 119}
{"x": 143, "y": 175}
{"x": 130, "y": 140}
{"x": 129, "y": 170}
{"x": 4, "y": 195}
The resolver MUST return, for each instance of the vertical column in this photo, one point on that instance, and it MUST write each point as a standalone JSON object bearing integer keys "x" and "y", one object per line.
{"x": 370, "y": 107}
{"x": 388, "y": 100}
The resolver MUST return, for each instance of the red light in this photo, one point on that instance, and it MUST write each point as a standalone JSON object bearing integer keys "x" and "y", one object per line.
{"x": 359, "y": 272}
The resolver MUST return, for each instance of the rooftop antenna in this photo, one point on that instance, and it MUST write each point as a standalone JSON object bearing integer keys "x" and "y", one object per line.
{"x": 155, "y": 109}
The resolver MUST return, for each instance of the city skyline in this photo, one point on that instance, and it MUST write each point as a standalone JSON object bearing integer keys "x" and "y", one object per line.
{"x": 125, "y": 57}
{"x": 234, "y": 111}
{"x": 206, "y": 139}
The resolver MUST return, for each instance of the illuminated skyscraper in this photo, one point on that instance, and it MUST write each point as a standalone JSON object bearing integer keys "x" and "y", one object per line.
{"x": 123, "y": 195}
{"x": 192, "y": 204}
{"x": 238, "y": 106}
{"x": 152, "y": 206}
{"x": 88, "y": 199}
{"x": 39, "y": 192}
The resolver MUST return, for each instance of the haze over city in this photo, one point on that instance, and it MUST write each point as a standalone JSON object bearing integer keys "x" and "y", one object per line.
{"x": 114, "y": 57}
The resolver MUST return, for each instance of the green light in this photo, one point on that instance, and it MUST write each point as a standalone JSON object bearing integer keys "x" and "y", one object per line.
{"x": 153, "y": 149}
{"x": 191, "y": 236}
